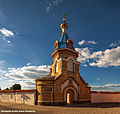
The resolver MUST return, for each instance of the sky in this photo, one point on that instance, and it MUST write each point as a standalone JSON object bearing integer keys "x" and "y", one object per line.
{"x": 29, "y": 28}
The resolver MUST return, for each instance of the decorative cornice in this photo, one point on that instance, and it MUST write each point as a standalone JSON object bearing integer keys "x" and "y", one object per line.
{"x": 64, "y": 49}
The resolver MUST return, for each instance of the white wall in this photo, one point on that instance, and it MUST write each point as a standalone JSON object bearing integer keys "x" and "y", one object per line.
{"x": 25, "y": 97}
{"x": 105, "y": 97}
{"x": 29, "y": 96}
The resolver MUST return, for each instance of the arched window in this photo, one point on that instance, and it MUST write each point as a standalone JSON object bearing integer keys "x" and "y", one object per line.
{"x": 56, "y": 67}
{"x": 70, "y": 65}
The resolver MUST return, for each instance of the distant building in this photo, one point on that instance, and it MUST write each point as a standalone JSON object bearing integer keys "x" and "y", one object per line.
{"x": 63, "y": 85}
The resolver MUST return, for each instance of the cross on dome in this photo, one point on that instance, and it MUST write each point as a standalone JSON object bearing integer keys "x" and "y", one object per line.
{"x": 64, "y": 41}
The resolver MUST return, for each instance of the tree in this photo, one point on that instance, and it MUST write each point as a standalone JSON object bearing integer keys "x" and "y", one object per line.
{"x": 7, "y": 89}
{"x": 15, "y": 87}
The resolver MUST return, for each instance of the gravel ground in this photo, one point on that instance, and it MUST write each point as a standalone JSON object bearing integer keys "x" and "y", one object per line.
{"x": 101, "y": 108}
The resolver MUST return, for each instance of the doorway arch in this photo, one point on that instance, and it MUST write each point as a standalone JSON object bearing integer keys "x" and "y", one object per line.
{"x": 70, "y": 96}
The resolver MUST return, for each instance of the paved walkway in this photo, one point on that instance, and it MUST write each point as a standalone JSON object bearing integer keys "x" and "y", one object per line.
{"x": 11, "y": 108}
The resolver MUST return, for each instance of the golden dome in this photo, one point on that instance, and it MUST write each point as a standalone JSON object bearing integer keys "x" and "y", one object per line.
{"x": 64, "y": 25}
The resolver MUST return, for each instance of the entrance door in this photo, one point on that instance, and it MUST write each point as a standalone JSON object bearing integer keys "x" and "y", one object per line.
{"x": 70, "y": 96}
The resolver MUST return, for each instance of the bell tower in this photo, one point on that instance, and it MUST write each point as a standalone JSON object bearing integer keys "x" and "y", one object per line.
{"x": 64, "y": 84}
{"x": 64, "y": 56}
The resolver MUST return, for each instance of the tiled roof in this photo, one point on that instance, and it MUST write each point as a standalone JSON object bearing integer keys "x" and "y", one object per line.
{"x": 45, "y": 77}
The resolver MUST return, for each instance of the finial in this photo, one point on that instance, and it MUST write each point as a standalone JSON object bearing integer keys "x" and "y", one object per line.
{"x": 64, "y": 25}
{"x": 64, "y": 17}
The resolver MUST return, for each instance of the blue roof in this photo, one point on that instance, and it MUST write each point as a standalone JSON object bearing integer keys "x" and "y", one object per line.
{"x": 63, "y": 41}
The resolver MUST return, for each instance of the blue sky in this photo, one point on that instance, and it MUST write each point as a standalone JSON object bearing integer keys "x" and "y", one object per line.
{"x": 29, "y": 28}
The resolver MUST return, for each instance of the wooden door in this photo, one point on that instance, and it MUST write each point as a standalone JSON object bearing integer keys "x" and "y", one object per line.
{"x": 70, "y": 96}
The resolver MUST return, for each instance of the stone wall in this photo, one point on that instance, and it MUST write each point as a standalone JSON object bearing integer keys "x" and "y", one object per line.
{"x": 29, "y": 96}
{"x": 102, "y": 97}
{"x": 18, "y": 96}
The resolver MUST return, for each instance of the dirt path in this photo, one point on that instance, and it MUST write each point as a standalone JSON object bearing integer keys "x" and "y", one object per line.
{"x": 11, "y": 108}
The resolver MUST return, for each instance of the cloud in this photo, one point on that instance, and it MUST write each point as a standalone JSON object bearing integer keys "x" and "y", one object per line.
{"x": 81, "y": 42}
{"x": 109, "y": 57}
{"x": 98, "y": 79}
{"x": 115, "y": 44}
{"x": 84, "y": 65}
{"x": 84, "y": 54}
{"x": 31, "y": 72}
{"x": 107, "y": 87}
{"x": 2, "y": 72}
{"x": 95, "y": 55}
{"x": 1, "y": 64}
{"x": 9, "y": 41}
{"x": 28, "y": 84}
{"x": 6, "y": 32}
{"x": 26, "y": 75}
{"x": 86, "y": 42}
{"x": 52, "y": 3}
{"x": 28, "y": 64}
{"x": 3, "y": 78}
{"x": 91, "y": 42}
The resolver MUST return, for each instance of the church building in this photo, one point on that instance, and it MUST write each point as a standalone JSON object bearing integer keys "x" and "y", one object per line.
{"x": 64, "y": 84}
